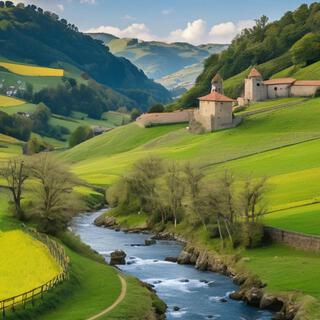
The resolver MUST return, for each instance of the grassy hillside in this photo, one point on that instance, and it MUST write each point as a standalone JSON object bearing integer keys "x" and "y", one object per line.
{"x": 277, "y": 144}
{"x": 158, "y": 59}
{"x": 51, "y": 42}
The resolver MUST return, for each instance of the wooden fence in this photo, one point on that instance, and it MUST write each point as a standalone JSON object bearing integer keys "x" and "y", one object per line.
{"x": 58, "y": 253}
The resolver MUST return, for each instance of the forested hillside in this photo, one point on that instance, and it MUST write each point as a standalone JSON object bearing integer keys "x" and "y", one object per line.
{"x": 293, "y": 41}
{"x": 30, "y": 35}
{"x": 155, "y": 58}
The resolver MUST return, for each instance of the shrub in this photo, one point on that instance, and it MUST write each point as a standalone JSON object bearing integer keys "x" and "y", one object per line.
{"x": 81, "y": 134}
{"x": 251, "y": 234}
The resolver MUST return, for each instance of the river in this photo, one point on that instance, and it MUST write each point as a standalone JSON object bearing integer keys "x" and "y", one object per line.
{"x": 199, "y": 295}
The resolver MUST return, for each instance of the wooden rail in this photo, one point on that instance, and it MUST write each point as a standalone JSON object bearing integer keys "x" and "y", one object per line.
{"x": 58, "y": 253}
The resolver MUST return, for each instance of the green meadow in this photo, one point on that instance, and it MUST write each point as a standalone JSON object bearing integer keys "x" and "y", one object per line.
{"x": 283, "y": 145}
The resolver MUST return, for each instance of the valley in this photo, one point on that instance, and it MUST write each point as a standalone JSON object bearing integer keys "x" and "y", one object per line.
{"x": 208, "y": 208}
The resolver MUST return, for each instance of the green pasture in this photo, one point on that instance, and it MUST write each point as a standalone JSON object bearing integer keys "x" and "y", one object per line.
{"x": 276, "y": 144}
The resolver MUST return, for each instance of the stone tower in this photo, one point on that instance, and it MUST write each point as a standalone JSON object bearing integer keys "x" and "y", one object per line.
{"x": 217, "y": 84}
{"x": 255, "y": 90}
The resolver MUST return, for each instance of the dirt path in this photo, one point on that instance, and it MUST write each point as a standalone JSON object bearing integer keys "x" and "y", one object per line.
{"x": 116, "y": 303}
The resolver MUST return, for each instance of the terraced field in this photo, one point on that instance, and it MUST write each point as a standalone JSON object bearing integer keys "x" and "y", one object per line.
{"x": 34, "y": 71}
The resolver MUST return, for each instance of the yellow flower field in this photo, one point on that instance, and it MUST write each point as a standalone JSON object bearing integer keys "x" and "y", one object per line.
{"x": 26, "y": 70}
{"x": 25, "y": 264}
{"x": 10, "y": 102}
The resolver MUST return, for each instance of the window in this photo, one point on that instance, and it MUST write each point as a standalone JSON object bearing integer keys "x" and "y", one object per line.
{"x": 258, "y": 84}
{"x": 275, "y": 89}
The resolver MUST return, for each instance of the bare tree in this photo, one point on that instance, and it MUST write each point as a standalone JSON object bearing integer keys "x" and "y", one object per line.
{"x": 175, "y": 191}
{"x": 56, "y": 202}
{"x": 16, "y": 172}
{"x": 251, "y": 199}
{"x": 194, "y": 178}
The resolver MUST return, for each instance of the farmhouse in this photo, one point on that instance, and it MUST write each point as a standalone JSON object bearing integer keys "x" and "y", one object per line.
{"x": 256, "y": 89}
{"x": 215, "y": 109}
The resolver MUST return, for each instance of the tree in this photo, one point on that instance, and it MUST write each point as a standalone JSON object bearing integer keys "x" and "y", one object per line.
{"x": 135, "y": 113}
{"x": 56, "y": 202}
{"x": 81, "y": 134}
{"x": 306, "y": 50}
{"x": 156, "y": 108}
{"x": 251, "y": 199}
{"x": 175, "y": 191}
{"x": 194, "y": 178}
{"x": 16, "y": 172}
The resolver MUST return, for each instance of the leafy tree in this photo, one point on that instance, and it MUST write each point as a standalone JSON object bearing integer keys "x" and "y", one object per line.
{"x": 135, "y": 113}
{"x": 81, "y": 134}
{"x": 306, "y": 50}
{"x": 156, "y": 108}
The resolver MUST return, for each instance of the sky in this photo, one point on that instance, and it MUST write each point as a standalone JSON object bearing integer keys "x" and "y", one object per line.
{"x": 193, "y": 21}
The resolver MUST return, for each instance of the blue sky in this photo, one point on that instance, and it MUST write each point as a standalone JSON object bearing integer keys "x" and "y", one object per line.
{"x": 195, "y": 21}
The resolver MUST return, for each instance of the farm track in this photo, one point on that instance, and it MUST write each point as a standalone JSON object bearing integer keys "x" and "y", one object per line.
{"x": 116, "y": 303}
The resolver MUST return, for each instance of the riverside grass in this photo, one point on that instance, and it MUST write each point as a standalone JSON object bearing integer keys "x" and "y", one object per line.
{"x": 25, "y": 264}
{"x": 283, "y": 145}
{"x": 34, "y": 71}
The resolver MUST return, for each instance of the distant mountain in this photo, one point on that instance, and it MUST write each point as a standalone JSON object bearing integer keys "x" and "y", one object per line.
{"x": 30, "y": 35}
{"x": 158, "y": 59}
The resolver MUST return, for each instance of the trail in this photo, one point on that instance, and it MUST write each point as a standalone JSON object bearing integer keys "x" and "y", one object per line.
{"x": 116, "y": 303}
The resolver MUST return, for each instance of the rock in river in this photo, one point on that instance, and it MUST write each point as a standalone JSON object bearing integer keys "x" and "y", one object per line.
{"x": 118, "y": 257}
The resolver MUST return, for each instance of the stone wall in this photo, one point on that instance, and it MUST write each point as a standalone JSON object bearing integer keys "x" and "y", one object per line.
{"x": 294, "y": 239}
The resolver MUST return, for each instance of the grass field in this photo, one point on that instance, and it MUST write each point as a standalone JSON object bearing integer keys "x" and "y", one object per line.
{"x": 10, "y": 102}
{"x": 286, "y": 269}
{"x": 275, "y": 144}
{"x": 34, "y": 71}
{"x": 24, "y": 264}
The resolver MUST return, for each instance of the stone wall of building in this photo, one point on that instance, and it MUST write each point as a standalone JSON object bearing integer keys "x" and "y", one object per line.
{"x": 303, "y": 91}
{"x": 294, "y": 239}
{"x": 149, "y": 119}
{"x": 278, "y": 91}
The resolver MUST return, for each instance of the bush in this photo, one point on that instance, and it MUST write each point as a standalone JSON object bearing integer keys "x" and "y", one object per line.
{"x": 81, "y": 134}
{"x": 252, "y": 234}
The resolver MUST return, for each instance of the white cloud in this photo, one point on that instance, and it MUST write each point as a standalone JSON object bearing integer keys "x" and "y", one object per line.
{"x": 195, "y": 32}
{"x": 226, "y": 31}
{"x": 135, "y": 30}
{"x": 88, "y": 1}
{"x": 128, "y": 17}
{"x": 60, "y": 7}
{"x": 167, "y": 11}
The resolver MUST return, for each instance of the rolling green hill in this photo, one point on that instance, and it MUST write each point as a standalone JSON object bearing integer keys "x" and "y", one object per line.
{"x": 31, "y": 36}
{"x": 277, "y": 144}
{"x": 159, "y": 59}
{"x": 288, "y": 46}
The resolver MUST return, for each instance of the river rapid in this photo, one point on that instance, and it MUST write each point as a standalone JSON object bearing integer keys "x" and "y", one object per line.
{"x": 198, "y": 295}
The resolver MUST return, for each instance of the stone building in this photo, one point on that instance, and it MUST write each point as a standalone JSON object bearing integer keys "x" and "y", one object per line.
{"x": 215, "y": 109}
{"x": 256, "y": 89}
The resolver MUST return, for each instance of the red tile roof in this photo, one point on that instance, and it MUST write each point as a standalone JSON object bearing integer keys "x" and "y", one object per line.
{"x": 254, "y": 73}
{"x": 279, "y": 81}
{"x": 307, "y": 83}
{"x": 215, "y": 96}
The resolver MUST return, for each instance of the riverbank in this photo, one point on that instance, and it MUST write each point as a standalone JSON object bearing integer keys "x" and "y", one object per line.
{"x": 275, "y": 277}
